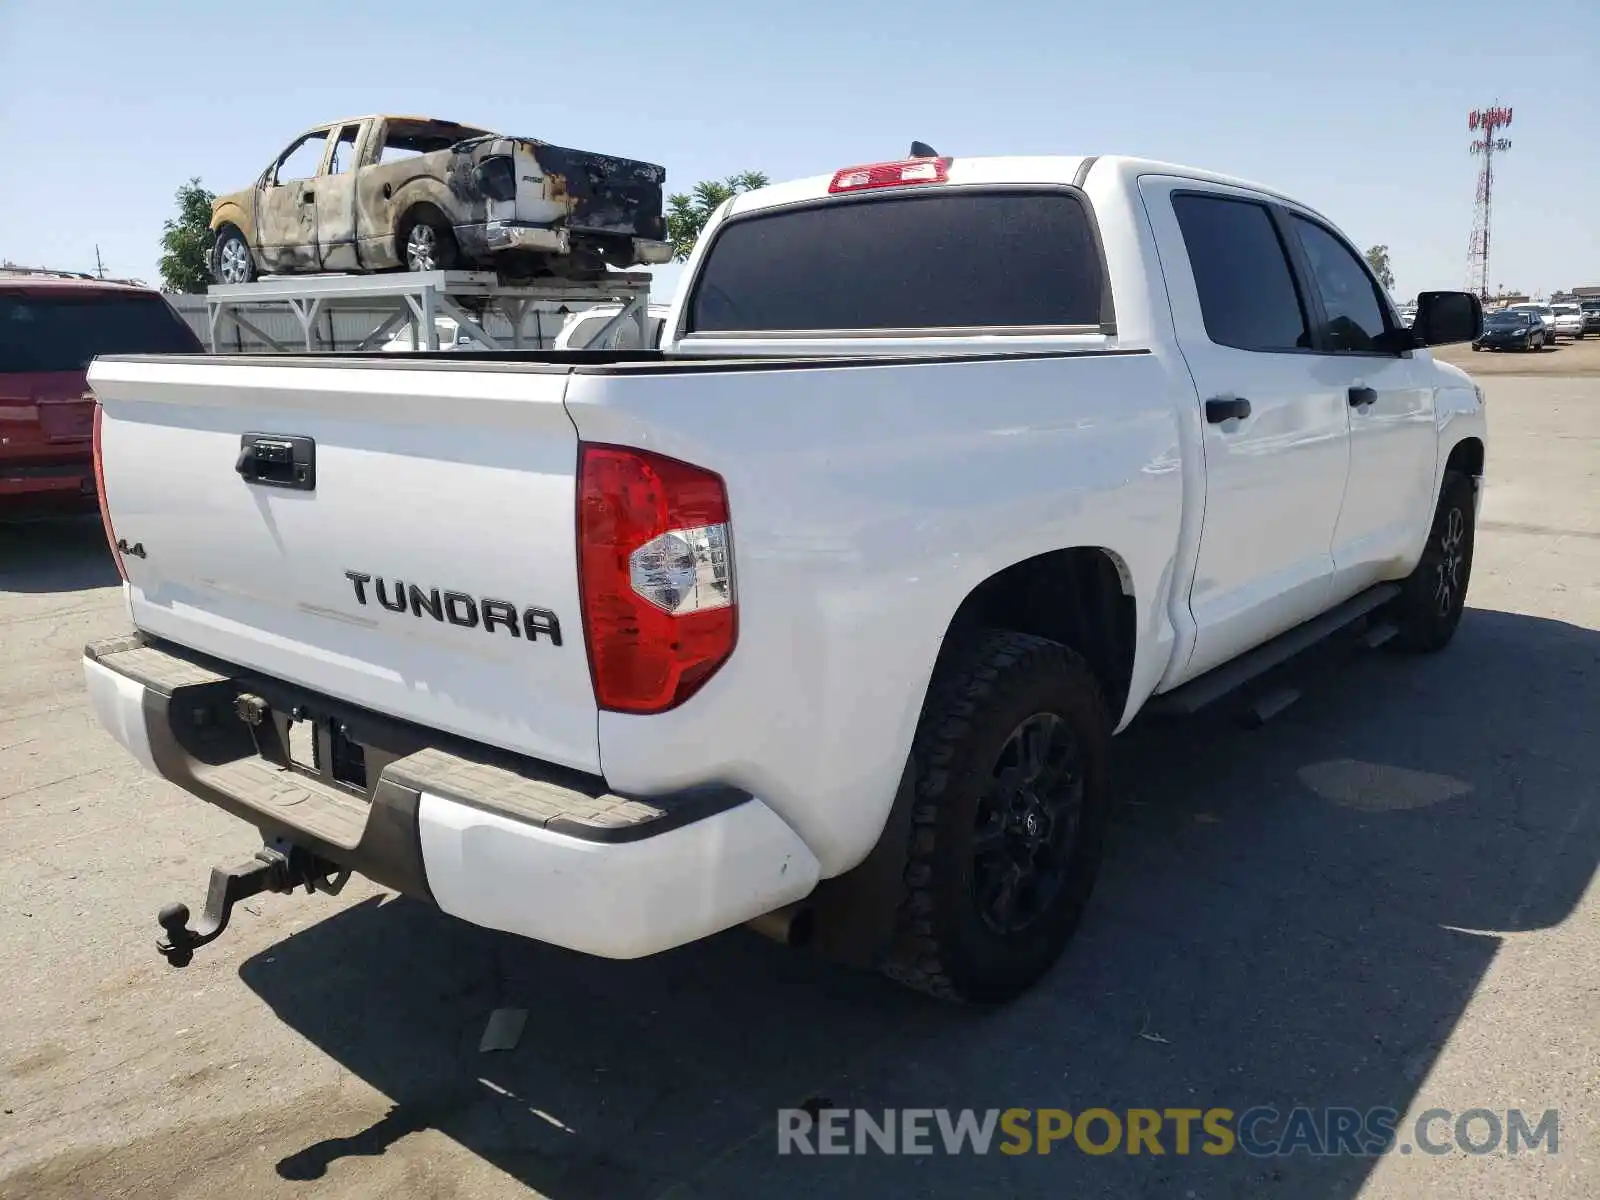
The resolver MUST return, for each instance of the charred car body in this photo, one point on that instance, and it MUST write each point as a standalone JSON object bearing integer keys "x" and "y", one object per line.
{"x": 412, "y": 193}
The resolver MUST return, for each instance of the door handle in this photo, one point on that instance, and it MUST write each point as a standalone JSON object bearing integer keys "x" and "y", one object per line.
{"x": 1362, "y": 396}
{"x": 282, "y": 461}
{"x": 1219, "y": 409}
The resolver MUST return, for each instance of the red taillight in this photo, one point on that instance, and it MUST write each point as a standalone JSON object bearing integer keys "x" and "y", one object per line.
{"x": 655, "y": 571}
{"x": 891, "y": 174}
{"x": 100, "y": 492}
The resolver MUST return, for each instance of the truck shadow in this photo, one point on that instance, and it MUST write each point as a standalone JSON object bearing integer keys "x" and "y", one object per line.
{"x": 66, "y": 554}
{"x": 1286, "y": 917}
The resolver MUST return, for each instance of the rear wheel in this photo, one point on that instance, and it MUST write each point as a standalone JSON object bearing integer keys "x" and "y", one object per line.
{"x": 1433, "y": 597}
{"x": 1012, "y": 802}
{"x": 427, "y": 244}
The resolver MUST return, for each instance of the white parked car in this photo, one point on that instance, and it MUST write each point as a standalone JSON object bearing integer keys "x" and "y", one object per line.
{"x": 822, "y": 616}
{"x": 447, "y": 329}
{"x": 582, "y": 329}
{"x": 1569, "y": 320}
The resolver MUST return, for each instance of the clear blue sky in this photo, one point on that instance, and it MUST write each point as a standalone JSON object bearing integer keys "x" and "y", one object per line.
{"x": 1360, "y": 109}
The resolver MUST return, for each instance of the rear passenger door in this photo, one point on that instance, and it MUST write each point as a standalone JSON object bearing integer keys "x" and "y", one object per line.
{"x": 335, "y": 199}
{"x": 1275, "y": 431}
{"x": 1388, "y": 501}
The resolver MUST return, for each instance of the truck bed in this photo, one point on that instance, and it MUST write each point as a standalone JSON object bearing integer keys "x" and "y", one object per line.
{"x": 615, "y": 362}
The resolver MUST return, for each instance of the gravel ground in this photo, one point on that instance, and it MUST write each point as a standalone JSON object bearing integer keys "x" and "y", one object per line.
{"x": 1384, "y": 898}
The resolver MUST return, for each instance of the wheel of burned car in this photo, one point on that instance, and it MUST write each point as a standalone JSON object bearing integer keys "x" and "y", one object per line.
{"x": 1012, "y": 801}
{"x": 428, "y": 244}
{"x": 231, "y": 261}
{"x": 1433, "y": 597}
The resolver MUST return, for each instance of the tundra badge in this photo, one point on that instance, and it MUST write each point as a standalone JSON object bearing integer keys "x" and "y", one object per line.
{"x": 458, "y": 608}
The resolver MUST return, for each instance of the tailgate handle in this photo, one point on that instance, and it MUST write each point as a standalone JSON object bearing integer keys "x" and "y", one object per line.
{"x": 278, "y": 460}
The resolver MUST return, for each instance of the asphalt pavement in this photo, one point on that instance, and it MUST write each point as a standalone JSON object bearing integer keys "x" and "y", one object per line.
{"x": 1383, "y": 899}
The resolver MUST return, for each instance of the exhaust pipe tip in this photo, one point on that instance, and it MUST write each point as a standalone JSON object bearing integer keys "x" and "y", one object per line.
{"x": 791, "y": 925}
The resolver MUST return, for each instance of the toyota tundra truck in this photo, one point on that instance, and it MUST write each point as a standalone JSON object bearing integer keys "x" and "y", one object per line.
{"x": 819, "y": 617}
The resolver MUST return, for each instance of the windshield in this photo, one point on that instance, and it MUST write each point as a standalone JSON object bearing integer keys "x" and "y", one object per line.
{"x": 1564, "y": 310}
{"x": 65, "y": 333}
{"x": 1506, "y": 320}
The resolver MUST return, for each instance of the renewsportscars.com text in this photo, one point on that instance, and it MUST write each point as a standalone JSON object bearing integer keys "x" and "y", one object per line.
{"x": 1262, "y": 1131}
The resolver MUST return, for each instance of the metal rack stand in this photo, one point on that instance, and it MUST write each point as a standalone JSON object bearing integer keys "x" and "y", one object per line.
{"x": 418, "y": 297}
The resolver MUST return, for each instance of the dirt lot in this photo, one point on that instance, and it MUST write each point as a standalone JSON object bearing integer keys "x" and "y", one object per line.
{"x": 1563, "y": 358}
{"x": 1384, "y": 898}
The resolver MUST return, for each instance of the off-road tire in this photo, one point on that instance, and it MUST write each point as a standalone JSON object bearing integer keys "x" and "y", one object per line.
{"x": 942, "y": 945}
{"x": 1426, "y": 618}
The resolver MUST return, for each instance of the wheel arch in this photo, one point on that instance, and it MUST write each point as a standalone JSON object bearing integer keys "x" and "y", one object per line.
{"x": 231, "y": 213}
{"x": 1466, "y": 456}
{"x": 1080, "y": 596}
{"x": 411, "y": 203}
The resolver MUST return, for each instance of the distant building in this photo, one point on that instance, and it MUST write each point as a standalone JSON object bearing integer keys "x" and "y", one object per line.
{"x": 11, "y": 270}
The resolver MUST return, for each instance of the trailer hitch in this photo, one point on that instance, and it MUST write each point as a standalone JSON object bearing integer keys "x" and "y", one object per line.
{"x": 279, "y": 868}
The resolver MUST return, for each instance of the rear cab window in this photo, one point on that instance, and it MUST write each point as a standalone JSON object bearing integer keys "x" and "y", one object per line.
{"x": 65, "y": 332}
{"x": 955, "y": 259}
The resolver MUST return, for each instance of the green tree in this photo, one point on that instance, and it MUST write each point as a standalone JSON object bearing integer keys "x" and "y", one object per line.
{"x": 687, "y": 214}
{"x": 1378, "y": 260}
{"x": 186, "y": 241}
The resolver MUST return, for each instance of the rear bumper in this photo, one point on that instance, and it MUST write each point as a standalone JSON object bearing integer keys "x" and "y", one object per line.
{"x": 28, "y": 489}
{"x": 501, "y": 236}
{"x": 512, "y": 845}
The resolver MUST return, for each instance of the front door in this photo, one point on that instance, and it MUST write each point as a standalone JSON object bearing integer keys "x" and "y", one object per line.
{"x": 336, "y": 204}
{"x": 287, "y": 215}
{"x": 1275, "y": 437}
{"x": 1394, "y": 447}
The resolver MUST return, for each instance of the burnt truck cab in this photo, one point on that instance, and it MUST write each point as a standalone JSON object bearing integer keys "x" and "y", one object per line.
{"x": 387, "y": 193}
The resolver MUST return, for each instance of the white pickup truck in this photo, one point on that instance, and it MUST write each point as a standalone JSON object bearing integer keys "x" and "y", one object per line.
{"x": 821, "y": 616}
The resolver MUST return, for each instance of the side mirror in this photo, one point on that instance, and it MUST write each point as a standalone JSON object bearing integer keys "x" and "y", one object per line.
{"x": 1446, "y": 317}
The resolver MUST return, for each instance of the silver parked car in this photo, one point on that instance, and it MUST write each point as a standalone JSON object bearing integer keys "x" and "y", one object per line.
{"x": 1569, "y": 320}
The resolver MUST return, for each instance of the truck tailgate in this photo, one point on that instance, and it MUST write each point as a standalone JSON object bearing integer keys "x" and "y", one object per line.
{"x": 430, "y": 570}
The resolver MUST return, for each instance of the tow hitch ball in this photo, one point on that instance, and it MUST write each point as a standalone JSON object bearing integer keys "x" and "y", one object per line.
{"x": 278, "y": 868}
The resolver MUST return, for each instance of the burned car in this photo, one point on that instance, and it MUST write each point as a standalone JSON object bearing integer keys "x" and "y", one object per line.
{"x": 412, "y": 193}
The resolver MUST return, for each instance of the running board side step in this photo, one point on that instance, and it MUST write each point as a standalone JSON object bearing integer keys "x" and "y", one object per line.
{"x": 1191, "y": 697}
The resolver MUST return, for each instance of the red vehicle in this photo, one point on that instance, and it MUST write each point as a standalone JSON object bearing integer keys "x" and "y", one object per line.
{"x": 50, "y": 330}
